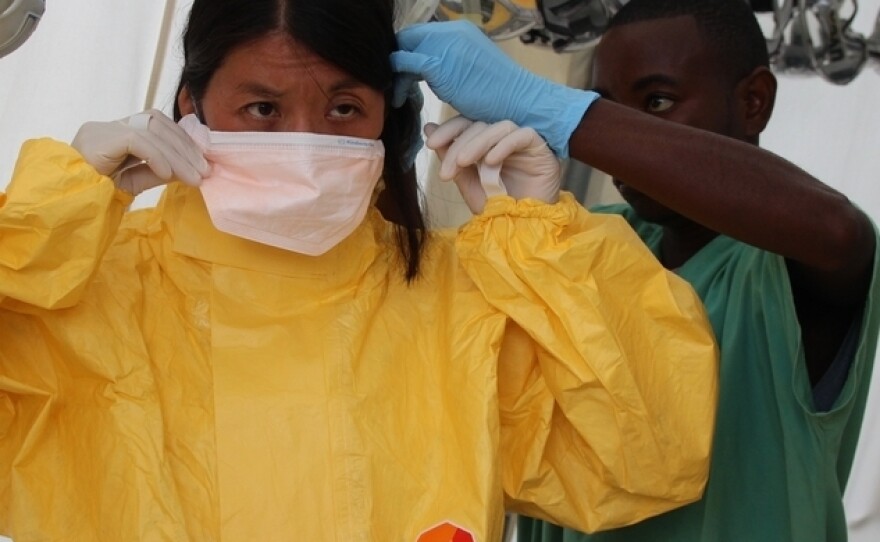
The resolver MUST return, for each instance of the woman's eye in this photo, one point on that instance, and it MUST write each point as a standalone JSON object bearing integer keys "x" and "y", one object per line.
{"x": 659, "y": 104}
{"x": 261, "y": 109}
{"x": 344, "y": 111}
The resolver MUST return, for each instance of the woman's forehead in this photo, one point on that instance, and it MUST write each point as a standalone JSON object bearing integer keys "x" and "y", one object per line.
{"x": 278, "y": 60}
{"x": 279, "y": 51}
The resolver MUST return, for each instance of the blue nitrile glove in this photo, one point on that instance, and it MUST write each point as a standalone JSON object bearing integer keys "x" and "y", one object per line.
{"x": 469, "y": 72}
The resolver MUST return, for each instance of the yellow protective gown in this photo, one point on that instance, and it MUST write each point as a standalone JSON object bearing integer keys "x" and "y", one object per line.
{"x": 162, "y": 381}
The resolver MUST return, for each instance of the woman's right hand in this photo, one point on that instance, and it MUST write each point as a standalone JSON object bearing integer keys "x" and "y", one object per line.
{"x": 141, "y": 151}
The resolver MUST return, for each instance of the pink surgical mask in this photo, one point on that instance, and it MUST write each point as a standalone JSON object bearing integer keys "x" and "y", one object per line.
{"x": 298, "y": 191}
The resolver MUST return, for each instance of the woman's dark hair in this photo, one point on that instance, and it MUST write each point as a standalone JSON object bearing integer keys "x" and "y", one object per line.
{"x": 356, "y": 36}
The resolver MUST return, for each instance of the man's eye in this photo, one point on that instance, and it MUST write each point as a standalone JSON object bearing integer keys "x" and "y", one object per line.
{"x": 659, "y": 104}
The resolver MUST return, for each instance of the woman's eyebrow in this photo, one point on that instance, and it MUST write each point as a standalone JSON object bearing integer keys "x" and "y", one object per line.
{"x": 248, "y": 87}
{"x": 258, "y": 89}
{"x": 348, "y": 83}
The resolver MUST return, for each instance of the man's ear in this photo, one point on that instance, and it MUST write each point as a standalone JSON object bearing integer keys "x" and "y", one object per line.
{"x": 757, "y": 95}
{"x": 185, "y": 102}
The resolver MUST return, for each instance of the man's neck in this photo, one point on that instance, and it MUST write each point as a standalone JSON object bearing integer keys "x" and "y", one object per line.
{"x": 681, "y": 242}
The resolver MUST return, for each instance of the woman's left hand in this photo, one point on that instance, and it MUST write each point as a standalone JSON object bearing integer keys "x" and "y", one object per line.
{"x": 472, "y": 153}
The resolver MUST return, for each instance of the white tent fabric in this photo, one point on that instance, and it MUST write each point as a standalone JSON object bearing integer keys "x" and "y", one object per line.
{"x": 88, "y": 60}
{"x": 106, "y": 59}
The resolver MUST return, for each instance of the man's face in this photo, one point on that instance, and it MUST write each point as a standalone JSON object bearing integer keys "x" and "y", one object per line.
{"x": 663, "y": 68}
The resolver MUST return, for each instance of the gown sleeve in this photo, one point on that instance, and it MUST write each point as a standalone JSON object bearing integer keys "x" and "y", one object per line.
{"x": 57, "y": 219}
{"x": 77, "y": 395}
{"x": 608, "y": 371}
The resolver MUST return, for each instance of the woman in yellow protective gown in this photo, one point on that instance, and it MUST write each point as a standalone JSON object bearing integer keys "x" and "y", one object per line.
{"x": 163, "y": 378}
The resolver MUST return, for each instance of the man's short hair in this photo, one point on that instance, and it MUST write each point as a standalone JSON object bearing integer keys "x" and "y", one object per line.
{"x": 728, "y": 26}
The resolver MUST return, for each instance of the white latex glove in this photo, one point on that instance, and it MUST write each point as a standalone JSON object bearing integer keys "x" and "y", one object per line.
{"x": 142, "y": 151}
{"x": 474, "y": 153}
